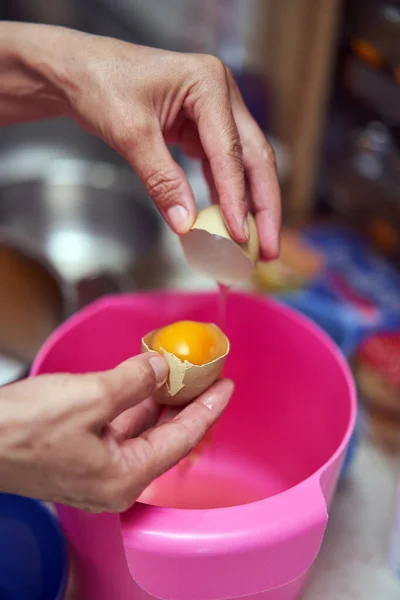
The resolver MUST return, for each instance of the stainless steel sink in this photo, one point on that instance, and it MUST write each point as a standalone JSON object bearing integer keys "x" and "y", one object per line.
{"x": 69, "y": 202}
{"x": 87, "y": 217}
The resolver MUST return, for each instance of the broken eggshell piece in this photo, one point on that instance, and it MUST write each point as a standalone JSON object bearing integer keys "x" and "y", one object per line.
{"x": 210, "y": 249}
{"x": 186, "y": 381}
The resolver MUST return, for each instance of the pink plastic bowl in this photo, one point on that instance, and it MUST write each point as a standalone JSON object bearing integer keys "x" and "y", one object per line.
{"x": 253, "y": 510}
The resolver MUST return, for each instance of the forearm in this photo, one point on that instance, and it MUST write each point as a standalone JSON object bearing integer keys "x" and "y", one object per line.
{"x": 28, "y": 73}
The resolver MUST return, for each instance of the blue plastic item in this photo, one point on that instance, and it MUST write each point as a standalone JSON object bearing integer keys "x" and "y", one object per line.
{"x": 363, "y": 284}
{"x": 33, "y": 551}
{"x": 330, "y": 316}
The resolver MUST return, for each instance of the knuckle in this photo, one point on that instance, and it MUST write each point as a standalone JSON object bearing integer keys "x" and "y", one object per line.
{"x": 235, "y": 151}
{"x": 191, "y": 439}
{"x": 234, "y": 156}
{"x": 268, "y": 154}
{"x": 215, "y": 67}
{"x": 193, "y": 432}
{"x": 142, "y": 127}
{"x": 164, "y": 187}
{"x": 98, "y": 391}
{"x": 129, "y": 134}
{"x": 210, "y": 67}
{"x": 123, "y": 137}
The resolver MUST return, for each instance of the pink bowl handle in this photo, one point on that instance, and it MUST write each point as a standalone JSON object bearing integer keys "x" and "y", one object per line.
{"x": 226, "y": 553}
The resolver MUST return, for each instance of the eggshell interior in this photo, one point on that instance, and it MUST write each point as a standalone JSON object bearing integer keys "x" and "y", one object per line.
{"x": 186, "y": 381}
{"x": 210, "y": 249}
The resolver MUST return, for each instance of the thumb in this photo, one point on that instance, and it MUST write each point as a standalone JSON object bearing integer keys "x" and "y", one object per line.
{"x": 128, "y": 384}
{"x": 164, "y": 180}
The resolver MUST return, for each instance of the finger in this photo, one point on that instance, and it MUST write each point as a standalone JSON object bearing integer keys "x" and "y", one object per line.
{"x": 210, "y": 181}
{"x": 172, "y": 412}
{"x": 168, "y": 414}
{"x": 164, "y": 180}
{"x": 261, "y": 173}
{"x": 259, "y": 162}
{"x": 136, "y": 420}
{"x": 168, "y": 444}
{"x": 130, "y": 383}
{"x": 219, "y": 136}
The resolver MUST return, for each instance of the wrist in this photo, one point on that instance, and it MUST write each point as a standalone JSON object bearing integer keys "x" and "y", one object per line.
{"x": 9, "y": 434}
{"x": 29, "y": 66}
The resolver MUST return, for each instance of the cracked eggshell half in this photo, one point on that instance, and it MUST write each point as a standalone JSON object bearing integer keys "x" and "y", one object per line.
{"x": 186, "y": 381}
{"x": 210, "y": 249}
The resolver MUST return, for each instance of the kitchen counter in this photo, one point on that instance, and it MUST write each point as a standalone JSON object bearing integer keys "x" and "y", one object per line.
{"x": 354, "y": 560}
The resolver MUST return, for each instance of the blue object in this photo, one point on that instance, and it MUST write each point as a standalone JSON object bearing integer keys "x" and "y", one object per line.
{"x": 363, "y": 284}
{"x": 33, "y": 551}
{"x": 330, "y": 316}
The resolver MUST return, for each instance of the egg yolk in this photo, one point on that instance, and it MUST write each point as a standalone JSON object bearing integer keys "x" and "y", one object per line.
{"x": 198, "y": 343}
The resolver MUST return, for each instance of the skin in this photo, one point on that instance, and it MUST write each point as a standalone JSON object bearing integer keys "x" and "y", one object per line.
{"x": 96, "y": 441}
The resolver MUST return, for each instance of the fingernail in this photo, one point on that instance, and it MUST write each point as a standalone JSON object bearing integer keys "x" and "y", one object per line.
{"x": 246, "y": 229}
{"x": 178, "y": 217}
{"x": 159, "y": 366}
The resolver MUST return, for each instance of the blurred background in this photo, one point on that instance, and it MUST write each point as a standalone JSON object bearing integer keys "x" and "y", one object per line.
{"x": 323, "y": 81}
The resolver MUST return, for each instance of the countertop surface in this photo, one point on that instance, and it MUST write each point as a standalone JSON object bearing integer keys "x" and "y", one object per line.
{"x": 354, "y": 562}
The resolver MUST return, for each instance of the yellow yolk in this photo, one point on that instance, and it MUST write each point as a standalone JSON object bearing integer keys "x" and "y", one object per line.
{"x": 198, "y": 343}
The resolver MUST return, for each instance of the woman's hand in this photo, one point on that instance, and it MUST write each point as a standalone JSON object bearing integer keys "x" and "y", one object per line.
{"x": 96, "y": 441}
{"x": 139, "y": 100}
